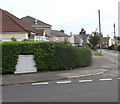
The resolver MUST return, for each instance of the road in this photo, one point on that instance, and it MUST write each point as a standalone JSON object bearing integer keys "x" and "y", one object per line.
{"x": 98, "y": 88}
{"x": 111, "y": 55}
{"x": 95, "y": 91}
{"x": 86, "y": 89}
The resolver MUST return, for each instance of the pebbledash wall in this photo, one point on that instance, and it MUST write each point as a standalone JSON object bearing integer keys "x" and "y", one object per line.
{"x": 59, "y": 39}
{"x": 18, "y": 35}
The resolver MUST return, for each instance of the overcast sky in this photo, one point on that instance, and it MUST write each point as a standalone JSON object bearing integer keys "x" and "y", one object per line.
{"x": 70, "y": 15}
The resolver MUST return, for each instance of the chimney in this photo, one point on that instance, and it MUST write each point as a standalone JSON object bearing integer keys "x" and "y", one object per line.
{"x": 36, "y": 21}
{"x": 71, "y": 33}
{"x": 62, "y": 31}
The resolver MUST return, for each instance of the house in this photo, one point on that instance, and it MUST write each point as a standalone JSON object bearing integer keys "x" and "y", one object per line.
{"x": 106, "y": 42}
{"x": 116, "y": 40}
{"x": 37, "y": 24}
{"x": 76, "y": 40}
{"x": 14, "y": 27}
{"x": 59, "y": 36}
{"x": 79, "y": 40}
{"x": 84, "y": 37}
{"x": 40, "y": 35}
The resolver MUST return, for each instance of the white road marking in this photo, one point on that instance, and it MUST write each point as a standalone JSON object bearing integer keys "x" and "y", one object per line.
{"x": 85, "y": 80}
{"x": 108, "y": 79}
{"x": 42, "y": 83}
{"x": 88, "y": 74}
{"x": 85, "y": 75}
{"x": 68, "y": 82}
{"x": 75, "y": 76}
{"x": 64, "y": 82}
{"x": 118, "y": 78}
{"x": 99, "y": 73}
{"x": 82, "y": 75}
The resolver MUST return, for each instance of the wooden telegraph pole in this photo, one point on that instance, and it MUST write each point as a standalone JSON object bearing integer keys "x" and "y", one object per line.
{"x": 114, "y": 36}
{"x": 100, "y": 32}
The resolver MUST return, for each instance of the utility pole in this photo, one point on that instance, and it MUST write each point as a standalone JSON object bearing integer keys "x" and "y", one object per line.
{"x": 114, "y": 36}
{"x": 100, "y": 32}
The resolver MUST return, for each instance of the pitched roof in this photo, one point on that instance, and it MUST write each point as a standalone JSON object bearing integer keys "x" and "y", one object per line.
{"x": 83, "y": 36}
{"x": 11, "y": 23}
{"x": 35, "y": 22}
{"x": 39, "y": 31}
{"x": 77, "y": 39}
{"x": 58, "y": 33}
{"x": 105, "y": 39}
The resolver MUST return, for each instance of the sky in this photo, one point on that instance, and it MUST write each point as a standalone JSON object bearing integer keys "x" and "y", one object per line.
{"x": 69, "y": 15}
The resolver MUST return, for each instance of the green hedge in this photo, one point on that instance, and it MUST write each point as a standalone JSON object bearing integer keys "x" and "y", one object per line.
{"x": 49, "y": 56}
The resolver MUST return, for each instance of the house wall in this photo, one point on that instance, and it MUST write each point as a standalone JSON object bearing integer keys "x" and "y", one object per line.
{"x": 59, "y": 39}
{"x": 76, "y": 41}
{"x": 72, "y": 39}
{"x": 111, "y": 42}
{"x": 68, "y": 39}
{"x": 17, "y": 35}
{"x": 88, "y": 39}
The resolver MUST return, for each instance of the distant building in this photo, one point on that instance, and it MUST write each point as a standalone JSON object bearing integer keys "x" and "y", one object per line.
{"x": 76, "y": 40}
{"x": 59, "y": 36}
{"x": 85, "y": 38}
{"x": 79, "y": 40}
{"x": 107, "y": 42}
{"x": 37, "y": 24}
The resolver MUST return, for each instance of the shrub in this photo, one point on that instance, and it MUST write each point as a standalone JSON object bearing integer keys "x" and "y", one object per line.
{"x": 13, "y": 39}
{"x": 98, "y": 54}
{"x": 48, "y": 56}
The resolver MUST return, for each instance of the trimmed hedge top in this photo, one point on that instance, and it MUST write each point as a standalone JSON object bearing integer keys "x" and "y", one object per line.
{"x": 48, "y": 56}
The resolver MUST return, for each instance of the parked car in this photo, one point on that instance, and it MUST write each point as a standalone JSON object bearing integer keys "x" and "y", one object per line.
{"x": 112, "y": 47}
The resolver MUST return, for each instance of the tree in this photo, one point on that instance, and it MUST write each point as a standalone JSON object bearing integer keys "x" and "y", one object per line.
{"x": 94, "y": 39}
{"x": 82, "y": 31}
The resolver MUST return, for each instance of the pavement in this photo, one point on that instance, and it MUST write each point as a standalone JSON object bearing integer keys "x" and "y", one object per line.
{"x": 99, "y": 65}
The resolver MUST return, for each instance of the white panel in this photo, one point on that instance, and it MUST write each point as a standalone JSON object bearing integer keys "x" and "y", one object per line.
{"x": 25, "y": 64}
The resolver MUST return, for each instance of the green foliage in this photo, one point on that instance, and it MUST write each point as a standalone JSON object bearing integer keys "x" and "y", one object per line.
{"x": 25, "y": 40}
{"x": 98, "y": 54}
{"x": 94, "y": 39}
{"x": 13, "y": 39}
{"x": 82, "y": 31}
{"x": 48, "y": 56}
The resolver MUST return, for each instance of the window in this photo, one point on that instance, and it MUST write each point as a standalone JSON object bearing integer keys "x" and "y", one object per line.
{"x": 65, "y": 39}
{"x": 57, "y": 39}
{"x": 6, "y": 39}
{"x": 37, "y": 38}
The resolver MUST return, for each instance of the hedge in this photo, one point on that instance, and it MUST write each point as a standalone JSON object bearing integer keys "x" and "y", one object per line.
{"x": 48, "y": 56}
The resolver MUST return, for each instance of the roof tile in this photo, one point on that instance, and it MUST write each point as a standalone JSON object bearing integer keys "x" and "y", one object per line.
{"x": 11, "y": 23}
